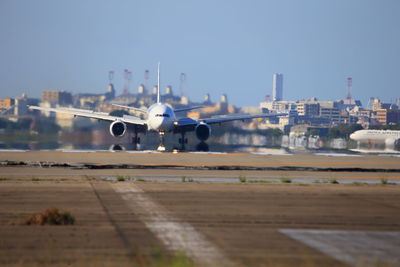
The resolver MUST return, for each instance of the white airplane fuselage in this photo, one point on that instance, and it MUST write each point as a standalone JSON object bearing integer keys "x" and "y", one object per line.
{"x": 160, "y": 118}
{"x": 388, "y": 137}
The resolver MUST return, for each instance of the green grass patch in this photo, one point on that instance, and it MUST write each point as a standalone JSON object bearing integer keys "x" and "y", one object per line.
{"x": 185, "y": 179}
{"x": 358, "y": 184}
{"x": 4, "y": 179}
{"x": 242, "y": 178}
{"x": 286, "y": 180}
{"x": 303, "y": 184}
{"x": 121, "y": 178}
{"x": 333, "y": 181}
{"x": 260, "y": 181}
{"x": 385, "y": 181}
{"x": 87, "y": 177}
{"x": 158, "y": 258}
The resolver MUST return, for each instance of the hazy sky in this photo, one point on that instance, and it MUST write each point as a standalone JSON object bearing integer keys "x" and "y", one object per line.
{"x": 230, "y": 47}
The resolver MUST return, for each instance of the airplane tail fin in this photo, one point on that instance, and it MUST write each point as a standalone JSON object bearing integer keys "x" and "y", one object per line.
{"x": 158, "y": 83}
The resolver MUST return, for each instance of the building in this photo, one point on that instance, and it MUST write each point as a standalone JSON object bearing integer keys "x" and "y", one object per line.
{"x": 393, "y": 116}
{"x": 168, "y": 91}
{"x": 57, "y": 97}
{"x": 155, "y": 90}
{"x": 142, "y": 90}
{"x": 308, "y": 109}
{"x": 331, "y": 113}
{"x": 277, "y": 87}
{"x": 6, "y": 103}
{"x": 110, "y": 94}
{"x": 207, "y": 99}
{"x": 387, "y": 116}
{"x": 21, "y": 106}
{"x": 279, "y": 106}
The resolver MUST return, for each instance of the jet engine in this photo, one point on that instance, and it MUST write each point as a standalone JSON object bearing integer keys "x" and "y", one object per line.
{"x": 397, "y": 145}
{"x": 117, "y": 129}
{"x": 389, "y": 142}
{"x": 393, "y": 143}
{"x": 203, "y": 131}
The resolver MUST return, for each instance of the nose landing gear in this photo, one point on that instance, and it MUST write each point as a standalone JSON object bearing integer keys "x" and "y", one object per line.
{"x": 161, "y": 147}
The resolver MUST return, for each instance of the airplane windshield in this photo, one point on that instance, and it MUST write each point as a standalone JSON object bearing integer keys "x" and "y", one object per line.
{"x": 162, "y": 115}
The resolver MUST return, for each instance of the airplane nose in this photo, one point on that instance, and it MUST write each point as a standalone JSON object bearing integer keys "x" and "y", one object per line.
{"x": 165, "y": 124}
{"x": 353, "y": 136}
{"x": 156, "y": 123}
{"x": 161, "y": 124}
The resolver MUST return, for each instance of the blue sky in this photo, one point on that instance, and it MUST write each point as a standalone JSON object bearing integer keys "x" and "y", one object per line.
{"x": 230, "y": 47}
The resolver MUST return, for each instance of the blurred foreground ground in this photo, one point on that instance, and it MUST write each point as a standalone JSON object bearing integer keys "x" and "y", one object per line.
{"x": 247, "y": 222}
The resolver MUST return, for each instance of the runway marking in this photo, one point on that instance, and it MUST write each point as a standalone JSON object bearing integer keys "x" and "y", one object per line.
{"x": 206, "y": 153}
{"x": 336, "y": 155}
{"x": 271, "y": 154}
{"x": 224, "y": 180}
{"x": 266, "y": 163}
{"x": 370, "y": 177}
{"x": 141, "y": 152}
{"x": 13, "y": 150}
{"x": 77, "y": 151}
{"x": 358, "y": 248}
{"x": 176, "y": 235}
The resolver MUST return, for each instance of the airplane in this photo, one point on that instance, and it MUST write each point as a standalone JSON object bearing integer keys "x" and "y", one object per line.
{"x": 390, "y": 138}
{"x": 159, "y": 117}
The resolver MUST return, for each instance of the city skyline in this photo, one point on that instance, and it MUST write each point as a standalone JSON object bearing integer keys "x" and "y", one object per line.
{"x": 232, "y": 48}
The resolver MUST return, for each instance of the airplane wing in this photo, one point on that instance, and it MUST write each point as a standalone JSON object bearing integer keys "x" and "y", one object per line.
{"x": 92, "y": 114}
{"x": 185, "y": 109}
{"x": 237, "y": 117}
{"x": 187, "y": 122}
{"x": 133, "y": 108}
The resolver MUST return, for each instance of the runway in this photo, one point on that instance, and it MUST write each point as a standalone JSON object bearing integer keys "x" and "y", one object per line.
{"x": 352, "y": 168}
{"x": 146, "y": 208}
{"x": 153, "y": 158}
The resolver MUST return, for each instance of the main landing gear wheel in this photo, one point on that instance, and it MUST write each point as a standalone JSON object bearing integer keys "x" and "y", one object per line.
{"x": 183, "y": 141}
{"x": 136, "y": 139}
{"x": 203, "y": 147}
{"x": 136, "y": 142}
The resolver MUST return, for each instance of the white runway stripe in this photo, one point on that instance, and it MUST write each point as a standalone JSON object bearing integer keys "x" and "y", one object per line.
{"x": 176, "y": 235}
{"x": 357, "y": 248}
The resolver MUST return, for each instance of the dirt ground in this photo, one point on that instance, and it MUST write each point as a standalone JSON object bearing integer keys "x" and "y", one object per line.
{"x": 198, "y": 159}
{"x": 183, "y": 160}
{"x": 242, "y": 219}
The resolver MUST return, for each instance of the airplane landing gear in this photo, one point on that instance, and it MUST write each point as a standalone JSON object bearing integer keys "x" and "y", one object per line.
{"x": 161, "y": 147}
{"x": 183, "y": 141}
{"x": 202, "y": 146}
{"x": 116, "y": 147}
{"x": 136, "y": 139}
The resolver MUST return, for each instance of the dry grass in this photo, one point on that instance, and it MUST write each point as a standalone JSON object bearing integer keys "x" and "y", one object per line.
{"x": 50, "y": 216}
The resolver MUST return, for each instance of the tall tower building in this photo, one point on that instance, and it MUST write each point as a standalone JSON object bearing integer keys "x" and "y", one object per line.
{"x": 277, "y": 87}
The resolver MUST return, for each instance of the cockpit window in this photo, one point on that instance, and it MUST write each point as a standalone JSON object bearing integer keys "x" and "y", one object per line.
{"x": 162, "y": 115}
